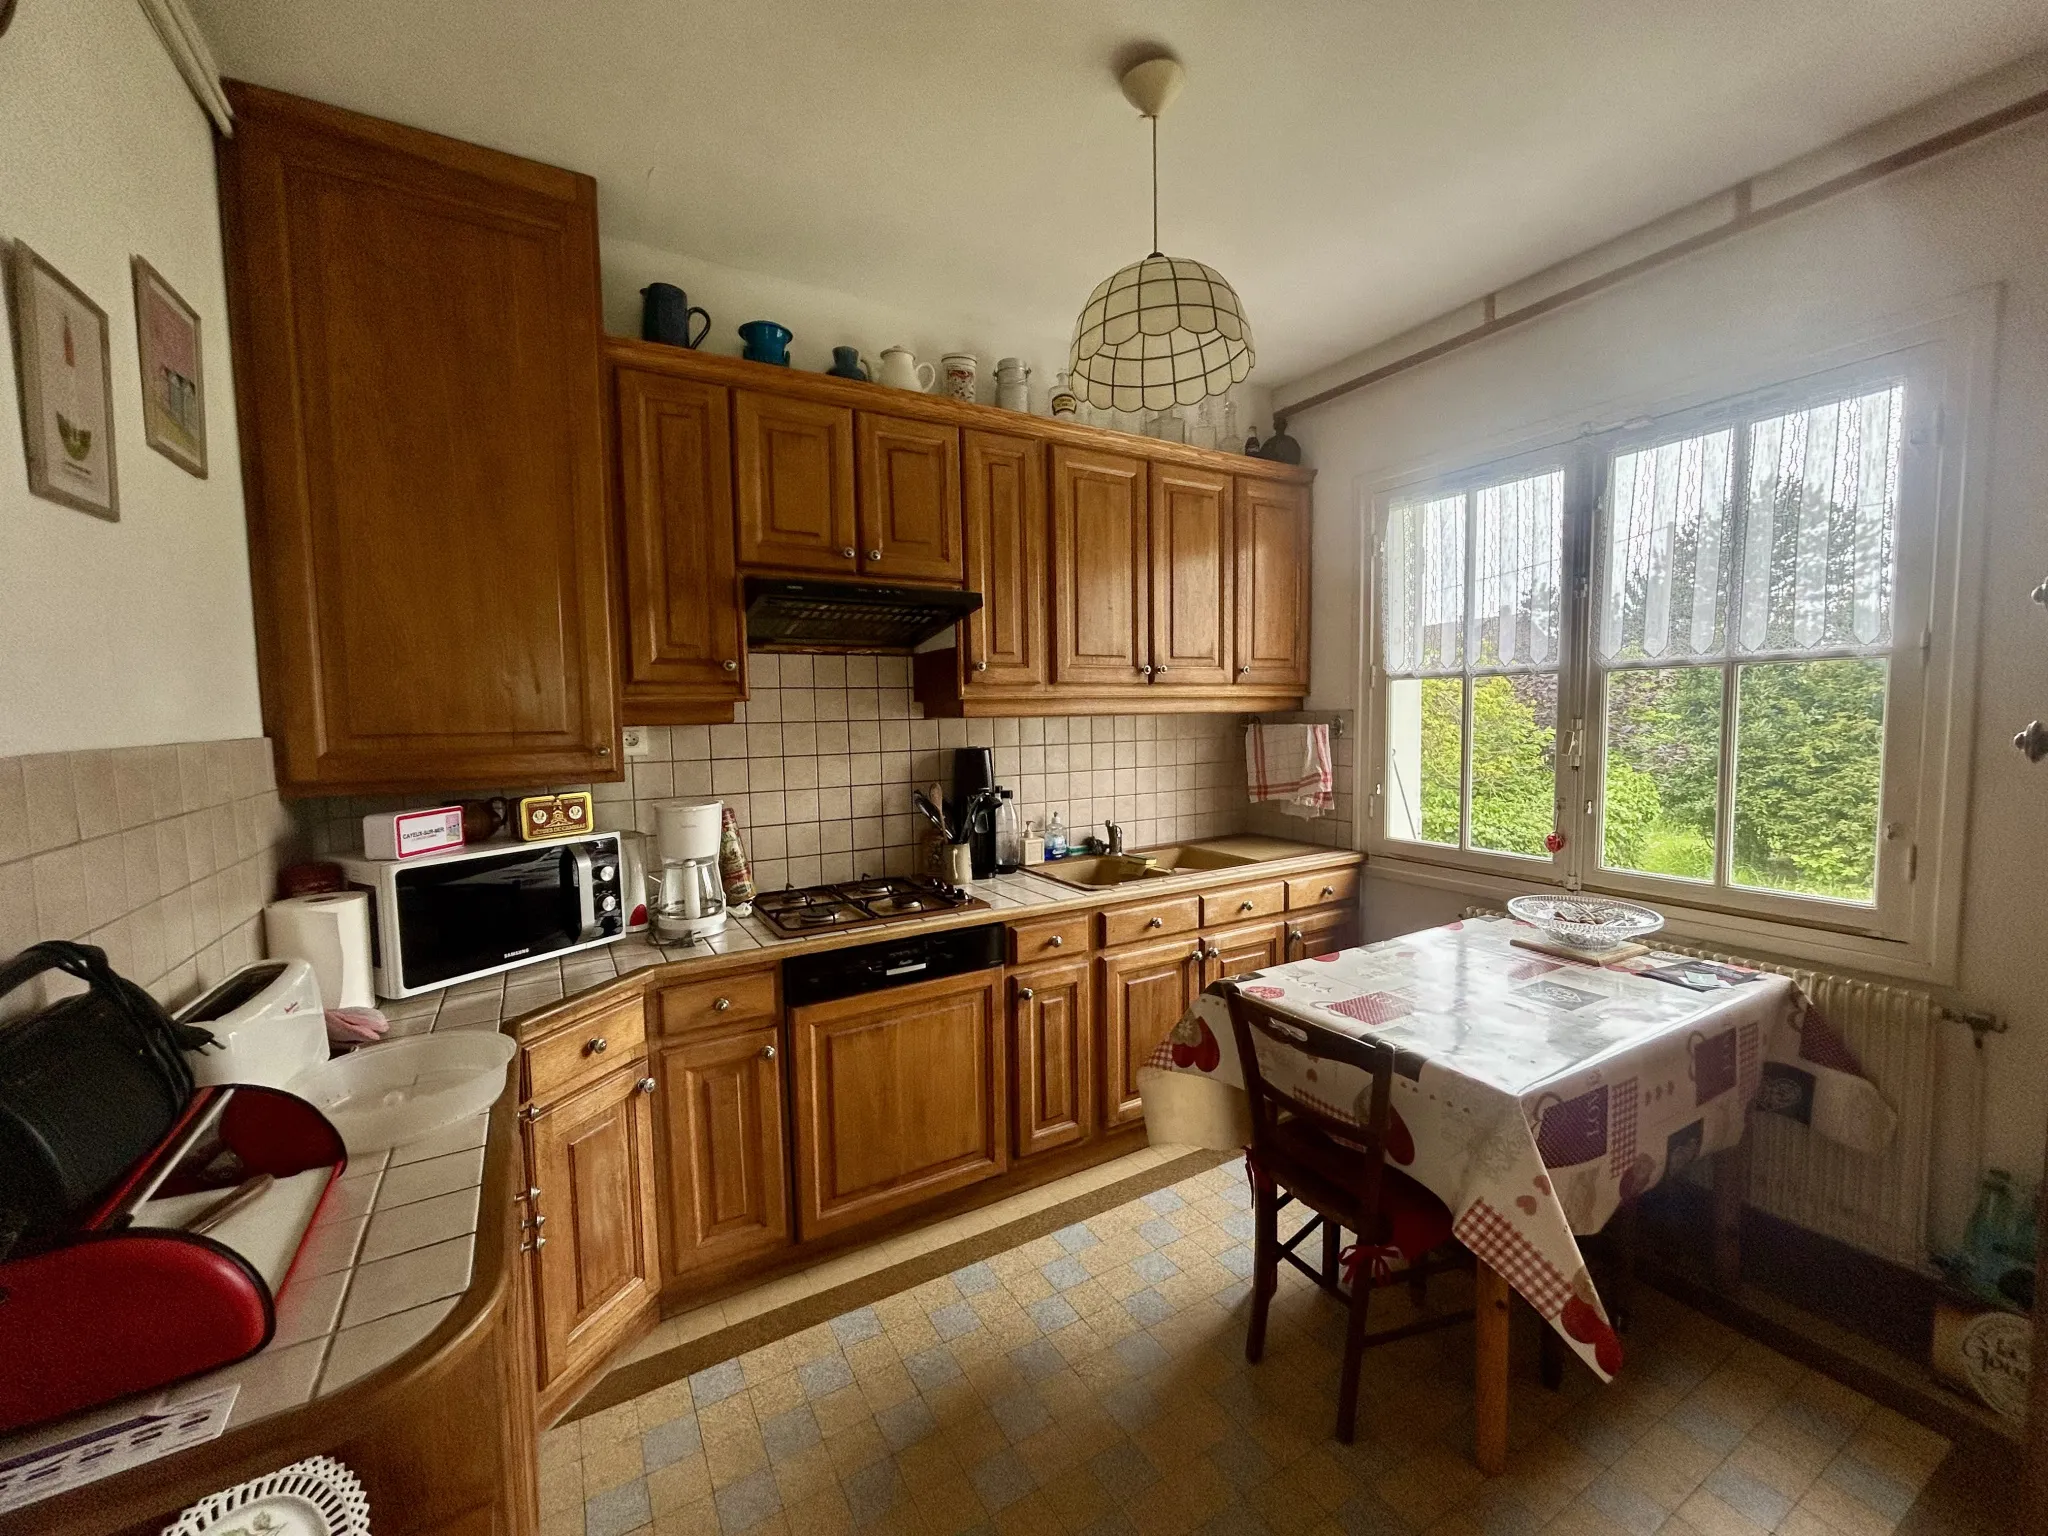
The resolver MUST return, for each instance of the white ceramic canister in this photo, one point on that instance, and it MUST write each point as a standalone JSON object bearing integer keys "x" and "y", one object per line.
{"x": 958, "y": 369}
{"x": 1013, "y": 384}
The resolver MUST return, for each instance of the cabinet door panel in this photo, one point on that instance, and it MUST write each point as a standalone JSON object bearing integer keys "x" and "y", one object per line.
{"x": 909, "y": 500}
{"x": 419, "y": 389}
{"x": 1100, "y": 572}
{"x": 1191, "y": 577}
{"x": 1052, "y": 1043}
{"x": 685, "y": 643}
{"x": 899, "y": 1097}
{"x": 1272, "y": 583}
{"x": 1240, "y": 951}
{"x": 1004, "y": 511}
{"x": 794, "y": 467}
{"x": 593, "y": 1162}
{"x": 1321, "y": 932}
{"x": 1143, "y": 993}
{"x": 726, "y": 1180}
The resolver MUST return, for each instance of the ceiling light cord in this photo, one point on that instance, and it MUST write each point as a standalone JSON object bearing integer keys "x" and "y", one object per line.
{"x": 1155, "y": 187}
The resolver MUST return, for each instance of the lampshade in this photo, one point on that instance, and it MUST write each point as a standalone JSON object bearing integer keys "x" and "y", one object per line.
{"x": 1160, "y": 332}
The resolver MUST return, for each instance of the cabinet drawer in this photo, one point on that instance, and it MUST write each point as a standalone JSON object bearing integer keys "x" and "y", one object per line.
{"x": 1244, "y": 903}
{"x": 584, "y": 1052}
{"x": 1055, "y": 938}
{"x": 1151, "y": 919}
{"x": 1322, "y": 889}
{"x": 727, "y": 1000}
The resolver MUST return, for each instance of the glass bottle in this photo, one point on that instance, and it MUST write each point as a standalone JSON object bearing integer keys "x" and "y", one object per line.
{"x": 1055, "y": 838}
{"x": 1230, "y": 440}
{"x": 1009, "y": 834}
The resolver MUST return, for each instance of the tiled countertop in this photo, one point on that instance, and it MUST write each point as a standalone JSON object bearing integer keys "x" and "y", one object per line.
{"x": 530, "y": 994}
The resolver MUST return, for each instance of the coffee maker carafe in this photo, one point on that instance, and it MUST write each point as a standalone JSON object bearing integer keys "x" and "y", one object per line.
{"x": 686, "y": 892}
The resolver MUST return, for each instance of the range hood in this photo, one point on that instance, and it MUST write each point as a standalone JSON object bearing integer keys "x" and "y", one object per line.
{"x": 848, "y": 615}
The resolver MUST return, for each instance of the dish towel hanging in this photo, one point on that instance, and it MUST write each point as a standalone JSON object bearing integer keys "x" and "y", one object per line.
{"x": 1289, "y": 764}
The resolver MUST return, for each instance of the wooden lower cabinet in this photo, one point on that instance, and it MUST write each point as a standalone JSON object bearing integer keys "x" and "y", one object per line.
{"x": 591, "y": 1157}
{"x": 724, "y": 1173}
{"x": 1143, "y": 991}
{"x": 899, "y": 1096}
{"x": 1323, "y": 932}
{"x": 1240, "y": 951}
{"x": 1052, "y": 1056}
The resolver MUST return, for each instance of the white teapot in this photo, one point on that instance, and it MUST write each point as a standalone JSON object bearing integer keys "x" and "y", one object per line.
{"x": 901, "y": 370}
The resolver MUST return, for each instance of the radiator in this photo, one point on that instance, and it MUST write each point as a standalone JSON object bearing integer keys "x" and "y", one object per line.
{"x": 1877, "y": 1204}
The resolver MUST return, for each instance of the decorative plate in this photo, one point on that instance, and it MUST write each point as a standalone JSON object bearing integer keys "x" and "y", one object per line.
{"x": 315, "y": 1497}
{"x": 1586, "y": 922}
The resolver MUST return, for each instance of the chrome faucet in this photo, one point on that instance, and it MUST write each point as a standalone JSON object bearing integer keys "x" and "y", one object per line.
{"x": 1116, "y": 836}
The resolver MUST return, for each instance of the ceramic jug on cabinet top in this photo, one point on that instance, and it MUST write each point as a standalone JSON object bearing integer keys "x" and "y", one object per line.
{"x": 901, "y": 370}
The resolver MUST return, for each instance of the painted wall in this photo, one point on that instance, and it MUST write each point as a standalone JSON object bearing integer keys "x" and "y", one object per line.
{"x": 1977, "y": 217}
{"x": 137, "y": 632}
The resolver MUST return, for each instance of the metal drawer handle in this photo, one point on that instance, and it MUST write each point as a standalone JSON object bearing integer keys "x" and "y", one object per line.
{"x": 530, "y": 1114}
{"x": 1212, "y": 953}
{"x": 1055, "y": 942}
{"x": 981, "y": 666}
{"x": 1159, "y": 671}
{"x": 1294, "y": 935}
{"x": 720, "y": 1004}
{"x": 535, "y": 1246}
{"x": 1157, "y": 922}
{"x": 537, "y": 1222}
{"x": 526, "y": 1194}
{"x": 645, "y": 1085}
{"x": 1245, "y": 906}
{"x": 847, "y": 554}
{"x": 1025, "y": 994}
{"x": 1146, "y": 670}
{"x": 874, "y": 554}
{"x": 597, "y": 1045}
{"x": 1244, "y": 669}
{"x": 767, "y": 1053}
{"x": 1329, "y": 890}
{"x": 732, "y": 666}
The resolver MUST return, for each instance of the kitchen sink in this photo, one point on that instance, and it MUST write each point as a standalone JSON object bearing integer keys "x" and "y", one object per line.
{"x": 1105, "y": 870}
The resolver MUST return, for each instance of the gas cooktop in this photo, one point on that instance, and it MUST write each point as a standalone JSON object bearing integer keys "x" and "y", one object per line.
{"x": 828, "y": 908}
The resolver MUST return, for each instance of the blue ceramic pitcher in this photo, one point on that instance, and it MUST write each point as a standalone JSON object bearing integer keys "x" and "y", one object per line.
{"x": 666, "y": 313}
{"x": 766, "y": 342}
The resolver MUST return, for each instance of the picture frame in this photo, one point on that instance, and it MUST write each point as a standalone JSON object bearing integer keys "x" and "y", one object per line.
{"x": 173, "y": 381}
{"x": 65, "y": 376}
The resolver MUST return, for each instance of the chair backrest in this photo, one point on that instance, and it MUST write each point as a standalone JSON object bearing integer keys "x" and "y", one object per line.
{"x": 1339, "y": 1083}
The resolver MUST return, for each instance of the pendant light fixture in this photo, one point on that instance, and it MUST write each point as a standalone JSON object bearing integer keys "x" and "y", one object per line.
{"x": 1167, "y": 330}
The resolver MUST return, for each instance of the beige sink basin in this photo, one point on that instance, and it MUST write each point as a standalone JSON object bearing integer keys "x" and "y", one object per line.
{"x": 1106, "y": 870}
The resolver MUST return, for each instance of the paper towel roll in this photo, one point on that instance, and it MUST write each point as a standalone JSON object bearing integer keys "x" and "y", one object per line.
{"x": 330, "y": 931}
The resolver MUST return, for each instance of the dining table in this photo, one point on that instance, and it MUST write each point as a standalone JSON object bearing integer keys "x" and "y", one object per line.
{"x": 1536, "y": 1095}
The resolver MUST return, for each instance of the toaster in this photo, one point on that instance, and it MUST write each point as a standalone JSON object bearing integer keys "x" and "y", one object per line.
{"x": 267, "y": 1023}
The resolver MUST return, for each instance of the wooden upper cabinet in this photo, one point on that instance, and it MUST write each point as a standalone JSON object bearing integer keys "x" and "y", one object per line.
{"x": 899, "y": 1096}
{"x": 794, "y": 467}
{"x": 415, "y": 324}
{"x": 1004, "y": 512}
{"x": 591, "y": 1156}
{"x": 909, "y": 500}
{"x": 685, "y": 649}
{"x": 726, "y": 1175}
{"x": 1272, "y": 584}
{"x": 1192, "y": 572}
{"x": 1100, "y": 569}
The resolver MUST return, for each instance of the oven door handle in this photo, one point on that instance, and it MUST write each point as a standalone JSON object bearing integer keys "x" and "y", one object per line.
{"x": 584, "y": 877}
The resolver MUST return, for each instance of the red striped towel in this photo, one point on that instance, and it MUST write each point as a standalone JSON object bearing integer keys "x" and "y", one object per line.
{"x": 1289, "y": 763}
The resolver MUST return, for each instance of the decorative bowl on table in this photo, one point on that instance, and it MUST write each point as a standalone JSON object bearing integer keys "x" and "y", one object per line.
{"x": 1591, "y": 923}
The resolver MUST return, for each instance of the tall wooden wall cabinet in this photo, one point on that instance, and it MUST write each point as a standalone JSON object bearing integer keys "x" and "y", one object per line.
{"x": 416, "y": 328}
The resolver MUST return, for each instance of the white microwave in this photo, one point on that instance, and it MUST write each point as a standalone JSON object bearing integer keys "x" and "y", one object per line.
{"x": 449, "y": 917}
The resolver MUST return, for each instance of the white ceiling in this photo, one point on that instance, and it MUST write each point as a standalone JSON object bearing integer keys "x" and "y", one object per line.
{"x": 1353, "y": 166}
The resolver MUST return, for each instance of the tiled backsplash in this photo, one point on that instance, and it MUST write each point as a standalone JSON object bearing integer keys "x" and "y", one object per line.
{"x": 1334, "y": 827}
{"x": 821, "y": 762}
{"x": 162, "y": 856}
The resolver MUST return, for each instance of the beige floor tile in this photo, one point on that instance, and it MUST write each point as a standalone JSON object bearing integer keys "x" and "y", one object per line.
{"x": 1847, "y": 1514}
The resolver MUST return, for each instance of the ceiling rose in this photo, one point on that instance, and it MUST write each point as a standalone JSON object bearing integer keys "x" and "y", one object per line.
{"x": 1167, "y": 330}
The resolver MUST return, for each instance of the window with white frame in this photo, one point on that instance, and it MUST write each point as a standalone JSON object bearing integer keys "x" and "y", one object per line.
{"x": 1686, "y": 660}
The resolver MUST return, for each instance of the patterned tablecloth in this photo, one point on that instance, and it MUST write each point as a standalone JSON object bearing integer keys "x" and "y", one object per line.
{"x": 1533, "y": 1095}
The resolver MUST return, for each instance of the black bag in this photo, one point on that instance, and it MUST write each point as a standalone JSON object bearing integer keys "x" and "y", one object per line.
{"x": 87, "y": 1087}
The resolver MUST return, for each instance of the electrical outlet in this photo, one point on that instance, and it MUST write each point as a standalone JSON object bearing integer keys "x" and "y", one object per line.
{"x": 637, "y": 744}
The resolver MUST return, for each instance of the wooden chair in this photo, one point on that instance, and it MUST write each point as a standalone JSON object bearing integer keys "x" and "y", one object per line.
{"x": 1320, "y": 1108}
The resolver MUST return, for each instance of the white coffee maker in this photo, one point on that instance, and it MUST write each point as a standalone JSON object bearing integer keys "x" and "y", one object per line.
{"x": 686, "y": 893}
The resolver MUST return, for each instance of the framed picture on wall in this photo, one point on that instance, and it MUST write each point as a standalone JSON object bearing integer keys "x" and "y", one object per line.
{"x": 173, "y": 393}
{"x": 67, "y": 396}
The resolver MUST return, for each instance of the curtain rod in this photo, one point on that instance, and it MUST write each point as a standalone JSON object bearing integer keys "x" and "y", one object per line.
{"x": 1746, "y": 219}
